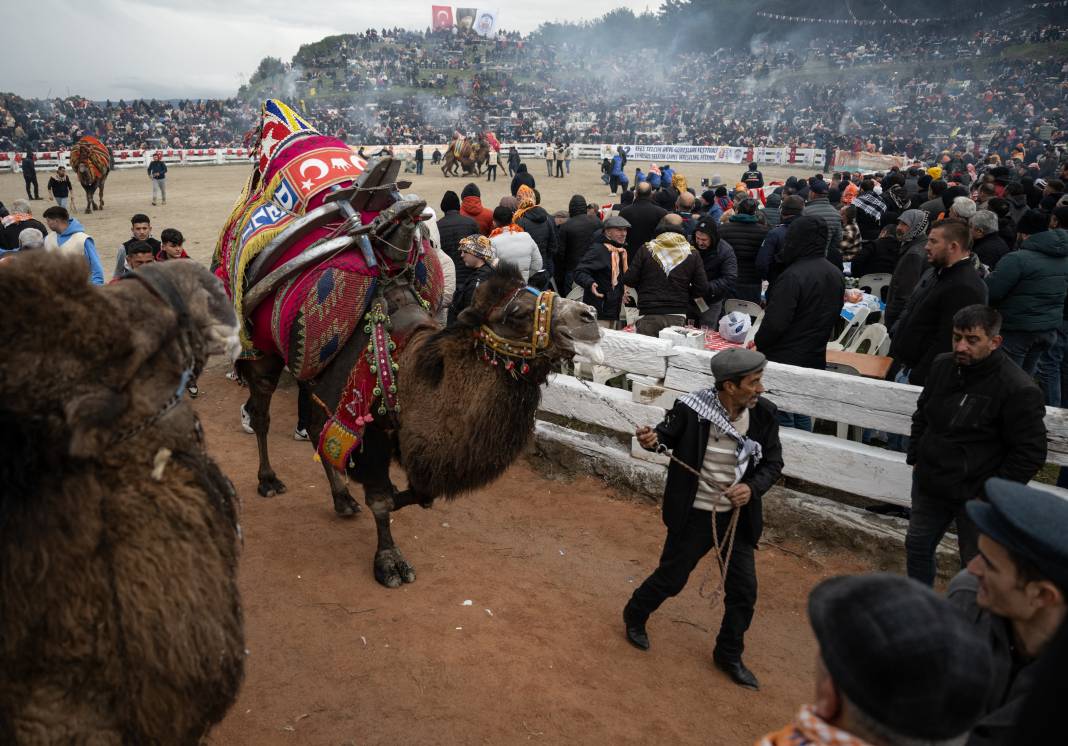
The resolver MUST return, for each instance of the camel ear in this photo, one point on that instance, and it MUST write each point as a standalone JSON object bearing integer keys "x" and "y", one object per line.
{"x": 471, "y": 316}
{"x": 89, "y": 419}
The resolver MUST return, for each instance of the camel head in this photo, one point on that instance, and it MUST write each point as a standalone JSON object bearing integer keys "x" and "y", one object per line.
{"x": 517, "y": 324}
{"x": 396, "y": 228}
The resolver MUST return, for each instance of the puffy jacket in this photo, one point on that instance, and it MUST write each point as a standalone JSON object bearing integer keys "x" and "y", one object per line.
{"x": 805, "y": 302}
{"x": 666, "y": 292}
{"x": 1029, "y": 285}
{"x": 746, "y": 235}
{"x": 973, "y": 422}
{"x": 596, "y": 267}
{"x": 721, "y": 271}
{"x": 577, "y": 233}
{"x": 643, "y": 217}
{"x": 537, "y": 224}
{"x": 820, "y": 207}
{"x": 769, "y": 257}
{"x": 473, "y": 208}
{"x": 452, "y": 227}
{"x": 518, "y": 248}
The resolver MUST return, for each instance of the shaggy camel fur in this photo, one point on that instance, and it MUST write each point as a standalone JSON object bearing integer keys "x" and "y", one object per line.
{"x": 120, "y": 621}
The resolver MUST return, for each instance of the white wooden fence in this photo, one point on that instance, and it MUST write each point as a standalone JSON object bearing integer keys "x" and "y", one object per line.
{"x": 661, "y": 371}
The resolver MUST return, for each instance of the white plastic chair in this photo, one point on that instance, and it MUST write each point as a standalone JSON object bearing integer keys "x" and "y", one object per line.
{"x": 842, "y": 429}
{"x": 870, "y": 340}
{"x": 875, "y": 284}
{"x": 753, "y": 310}
{"x": 850, "y": 330}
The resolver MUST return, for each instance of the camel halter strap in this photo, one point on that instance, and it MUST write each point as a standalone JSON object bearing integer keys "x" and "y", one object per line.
{"x": 520, "y": 349}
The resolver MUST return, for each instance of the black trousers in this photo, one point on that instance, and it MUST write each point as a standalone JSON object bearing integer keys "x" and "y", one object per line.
{"x": 31, "y": 180}
{"x": 682, "y": 551}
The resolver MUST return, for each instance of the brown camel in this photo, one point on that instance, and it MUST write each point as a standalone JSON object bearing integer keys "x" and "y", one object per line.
{"x": 467, "y": 398}
{"x": 473, "y": 157}
{"x": 91, "y": 161}
{"x": 120, "y": 621}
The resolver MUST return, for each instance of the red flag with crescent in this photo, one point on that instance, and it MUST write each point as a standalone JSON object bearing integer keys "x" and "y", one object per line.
{"x": 442, "y": 17}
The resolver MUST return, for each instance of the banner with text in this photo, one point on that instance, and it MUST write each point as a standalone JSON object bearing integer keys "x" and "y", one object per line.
{"x": 680, "y": 153}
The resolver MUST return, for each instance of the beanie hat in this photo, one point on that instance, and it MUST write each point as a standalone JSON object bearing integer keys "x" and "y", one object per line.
{"x": 1032, "y": 222}
{"x": 471, "y": 190}
{"x": 449, "y": 201}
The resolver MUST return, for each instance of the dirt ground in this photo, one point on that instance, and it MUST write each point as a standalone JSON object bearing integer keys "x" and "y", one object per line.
{"x": 199, "y": 198}
{"x": 538, "y": 655}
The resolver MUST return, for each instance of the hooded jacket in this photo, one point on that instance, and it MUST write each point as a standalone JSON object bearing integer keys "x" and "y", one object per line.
{"x": 537, "y": 224}
{"x": 596, "y": 267}
{"x": 472, "y": 207}
{"x": 1029, "y": 285}
{"x": 75, "y": 240}
{"x": 577, "y": 233}
{"x": 910, "y": 266}
{"x": 806, "y": 300}
{"x": 822, "y": 208}
{"x": 451, "y": 228}
{"x": 522, "y": 176}
{"x": 772, "y": 210}
{"x": 666, "y": 291}
{"x": 721, "y": 271}
{"x": 746, "y": 235}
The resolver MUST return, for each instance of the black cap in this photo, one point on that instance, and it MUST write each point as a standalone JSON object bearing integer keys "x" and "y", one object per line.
{"x": 819, "y": 186}
{"x": 901, "y": 653}
{"x": 1028, "y": 522}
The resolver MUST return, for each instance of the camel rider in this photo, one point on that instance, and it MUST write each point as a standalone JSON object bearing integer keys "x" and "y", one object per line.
{"x": 731, "y": 436}
{"x": 476, "y": 252}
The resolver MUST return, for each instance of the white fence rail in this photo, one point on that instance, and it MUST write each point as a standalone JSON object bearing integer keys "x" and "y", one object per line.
{"x": 845, "y": 465}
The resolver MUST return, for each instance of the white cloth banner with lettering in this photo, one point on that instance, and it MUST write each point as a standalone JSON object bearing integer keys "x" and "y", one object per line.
{"x": 680, "y": 153}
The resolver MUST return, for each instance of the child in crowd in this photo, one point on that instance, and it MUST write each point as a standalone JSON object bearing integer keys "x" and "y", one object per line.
{"x": 171, "y": 243}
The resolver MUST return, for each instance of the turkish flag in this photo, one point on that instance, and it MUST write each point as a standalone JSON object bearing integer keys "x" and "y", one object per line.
{"x": 442, "y": 17}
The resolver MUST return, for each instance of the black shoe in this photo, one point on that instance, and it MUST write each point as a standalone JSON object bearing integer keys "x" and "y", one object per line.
{"x": 636, "y": 634}
{"x": 737, "y": 672}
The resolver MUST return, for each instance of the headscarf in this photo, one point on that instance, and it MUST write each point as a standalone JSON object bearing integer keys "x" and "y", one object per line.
{"x": 525, "y": 197}
{"x": 916, "y": 220}
{"x": 478, "y": 245}
{"x": 678, "y": 181}
{"x": 899, "y": 196}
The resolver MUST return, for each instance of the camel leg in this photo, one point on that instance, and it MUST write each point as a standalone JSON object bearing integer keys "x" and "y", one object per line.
{"x": 315, "y": 420}
{"x": 88, "y": 201}
{"x": 101, "y": 188}
{"x": 262, "y": 378}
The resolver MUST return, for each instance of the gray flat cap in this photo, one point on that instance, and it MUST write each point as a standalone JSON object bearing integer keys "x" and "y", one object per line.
{"x": 616, "y": 222}
{"x": 737, "y": 362}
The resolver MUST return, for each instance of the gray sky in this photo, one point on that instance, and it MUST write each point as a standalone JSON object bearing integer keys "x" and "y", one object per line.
{"x": 207, "y": 48}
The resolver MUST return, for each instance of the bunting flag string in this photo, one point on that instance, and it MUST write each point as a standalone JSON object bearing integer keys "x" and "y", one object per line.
{"x": 898, "y": 21}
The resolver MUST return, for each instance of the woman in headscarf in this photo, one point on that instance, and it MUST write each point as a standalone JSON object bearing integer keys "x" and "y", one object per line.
{"x": 912, "y": 237}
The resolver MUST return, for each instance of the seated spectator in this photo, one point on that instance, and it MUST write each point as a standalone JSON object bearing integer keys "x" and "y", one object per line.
{"x": 850, "y": 245}
{"x": 1014, "y": 592}
{"x": 476, "y": 252}
{"x": 667, "y": 274}
{"x": 600, "y": 272}
{"x": 911, "y": 233}
{"x": 772, "y": 210}
{"x": 987, "y": 244}
{"x": 643, "y": 216}
{"x": 721, "y": 271}
{"x": 746, "y": 235}
{"x": 879, "y": 256}
{"x": 933, "y": 206}
{"x": 514, "y": 245}
{"x": 69, "y": 237}
{"x": 897, "y": 666}
{"x": 171, "y": 245}
{"x": 138, "y": 254}
{"x": 30, "y": 239}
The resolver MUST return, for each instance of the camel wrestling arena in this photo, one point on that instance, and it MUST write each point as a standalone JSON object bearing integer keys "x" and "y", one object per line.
{"x": 512, "y": 632}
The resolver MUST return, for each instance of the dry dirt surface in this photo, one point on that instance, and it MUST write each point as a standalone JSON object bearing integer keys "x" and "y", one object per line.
{"x": 538, "y": 655}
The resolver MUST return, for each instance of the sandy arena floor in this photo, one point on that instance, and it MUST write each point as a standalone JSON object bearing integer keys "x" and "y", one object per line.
{"x": 547, "y": 564}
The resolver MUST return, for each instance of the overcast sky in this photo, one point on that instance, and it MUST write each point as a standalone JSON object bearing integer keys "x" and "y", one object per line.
{"x": 207, "y": 48}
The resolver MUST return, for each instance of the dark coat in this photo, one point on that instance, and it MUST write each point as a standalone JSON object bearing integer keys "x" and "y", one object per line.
{"x": 721, "y": 271}
{"x": 746, "y": 235}
{"x": 452, "y": 227}
{"x": 686, "y": 435}
{"x": 465, "y": 294}
{"x": 9, "y": 236}
{"x": 1029, "y": 285}
{"x": 576, "y": 234}
{"x": 973, "y": 422}
{"x": 990, "y": 248}
{"x": 877, "y": 257}
{"x": 926, "y": 328}
{"x": 907, "y": 273}
{"x": 538, "y": 224}
{"x": 805, "y": 301}
{"x": 660, "y": 293}
{"x": 522, "y": 176}
{"x": 596, "y": 266}
{"x": 643, "y": 217}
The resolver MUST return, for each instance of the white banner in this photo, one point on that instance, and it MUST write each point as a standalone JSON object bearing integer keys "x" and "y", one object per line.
{"x": 680, "y": 153}
{"x": 486, "y": 21}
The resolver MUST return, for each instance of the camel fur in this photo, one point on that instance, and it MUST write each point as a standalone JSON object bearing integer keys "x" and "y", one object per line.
{"x": 120, "y": 620}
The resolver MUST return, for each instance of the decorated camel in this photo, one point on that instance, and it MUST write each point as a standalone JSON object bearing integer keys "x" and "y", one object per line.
{"x": 120, "y": 620}
{"x": 341, "y": 288}
{"x": 91, "y": 160}
{"x": 465, "y": 156}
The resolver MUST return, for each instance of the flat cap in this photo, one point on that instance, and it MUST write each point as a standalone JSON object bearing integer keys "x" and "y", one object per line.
{"x": 1028, "y": 522}
{"x": 901, "y": 653}
{"x": 737, "y": 362}
{"x": 616, "y": 222}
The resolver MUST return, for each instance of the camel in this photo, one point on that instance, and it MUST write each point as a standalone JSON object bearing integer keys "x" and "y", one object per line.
{"x": 91, "y": 160}
{"x": 474, "y": 155}
{"x": 120, "y": 619}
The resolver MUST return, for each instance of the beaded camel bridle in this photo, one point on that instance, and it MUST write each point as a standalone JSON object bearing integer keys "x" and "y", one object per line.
{"x": 494, "y": 347}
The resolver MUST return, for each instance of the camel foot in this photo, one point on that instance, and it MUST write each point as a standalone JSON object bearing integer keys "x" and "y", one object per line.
{"x": 345, "y": 506}
{"x": 391, "y": 569}
{"x": 270, "y": 486}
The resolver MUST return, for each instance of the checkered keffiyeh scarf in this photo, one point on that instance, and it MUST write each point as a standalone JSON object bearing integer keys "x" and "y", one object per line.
{"x": 871, "y": 204}
{"x": 810, "y": 730}
{"x": 670, "y": 250}
{"x": 708, "y": 407}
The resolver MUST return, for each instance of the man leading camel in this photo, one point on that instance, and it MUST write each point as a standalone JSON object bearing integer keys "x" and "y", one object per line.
{"x": 731, "y": 436}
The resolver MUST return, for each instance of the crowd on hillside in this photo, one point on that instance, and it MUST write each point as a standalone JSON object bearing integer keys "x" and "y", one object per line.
{"x": 404, "y": 87}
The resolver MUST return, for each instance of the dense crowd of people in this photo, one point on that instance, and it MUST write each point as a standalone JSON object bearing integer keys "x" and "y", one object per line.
{"x": 405, "y": 87}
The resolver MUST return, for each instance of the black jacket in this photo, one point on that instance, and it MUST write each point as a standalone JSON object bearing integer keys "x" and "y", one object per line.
{"x": 975, "y": 422}
{"x": 746, "y": 235}
{"x": 686, "y": 435}
{"x": 911, "y": 265}
{"x": 596, "y": 266}
{"x": 805, "y": 301}
{"x": 660, "y": 293}
{"x": 643, "y": 217}
{"x": 576, "y": 234}
{"x": 465, "y": 294}
{"x": 452, "y": 227}
{"x": 990, "y": 249}
{"x": 522, "y": 176}
{"x": 9, "y": 236}
{"x": 926, "y": 328}
{"x": 877, "y": 257}
{"x": 537, "y": 223}
{"x": 721, "y": 271}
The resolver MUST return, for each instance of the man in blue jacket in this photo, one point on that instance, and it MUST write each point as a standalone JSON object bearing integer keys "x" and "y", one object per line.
{"x": 69, "y": 237}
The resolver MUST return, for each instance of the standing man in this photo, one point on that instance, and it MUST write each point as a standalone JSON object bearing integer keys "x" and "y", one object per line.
{"x": 978, "y": 416}
{"x": 574, "y": 236}
{"x": 550, "y": 156}
{"x": 140, "y": 230}
{"x": 59, "y": 188}
{"x": 643, "y": 215}
{"x": 419, "y": 160}
{"x": 819, "y": 206}
{"x": 157, "y": 172}
{"x": 600, "y": 272}
{"x": 560, "y": 160}
{"x": 1014, "y": 592}
{"x": 69, "y": 237}
{"x": 731, "y": 436}
{"x": 569, "y": 151}
{"x": 29, "y": 175}
{"x": 753, "y": 178}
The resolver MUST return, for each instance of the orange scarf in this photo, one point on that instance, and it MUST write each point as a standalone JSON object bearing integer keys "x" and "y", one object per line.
{"x": 810, "y": 730}
{"x": 617, "y": 255}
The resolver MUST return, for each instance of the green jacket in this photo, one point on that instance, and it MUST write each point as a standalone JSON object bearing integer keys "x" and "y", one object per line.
{"x": 1028, "y": 286}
